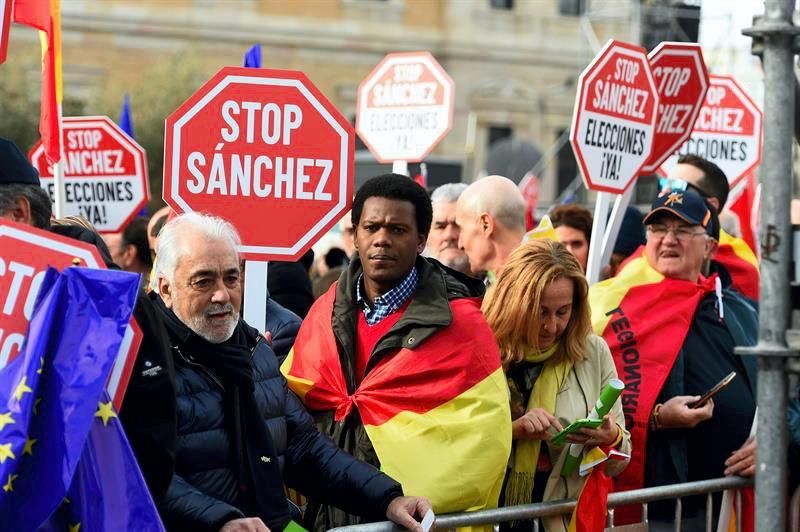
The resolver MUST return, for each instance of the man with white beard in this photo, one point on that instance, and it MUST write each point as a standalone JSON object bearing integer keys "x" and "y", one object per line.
{"x": 241, "y": 434}
{"x": 442, "y": 243}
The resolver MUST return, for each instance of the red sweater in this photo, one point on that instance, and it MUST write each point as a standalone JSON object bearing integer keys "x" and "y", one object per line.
{"x": 368, "y": 336}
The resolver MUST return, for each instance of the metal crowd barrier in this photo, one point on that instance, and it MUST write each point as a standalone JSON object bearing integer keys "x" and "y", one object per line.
{"x": 562, "y": 507}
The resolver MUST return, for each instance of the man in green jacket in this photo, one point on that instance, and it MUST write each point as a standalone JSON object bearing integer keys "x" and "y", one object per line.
{"x": 399, "y": 367}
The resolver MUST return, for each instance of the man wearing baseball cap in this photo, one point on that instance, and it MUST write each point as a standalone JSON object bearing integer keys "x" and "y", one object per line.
{"x": 672, "y": 333}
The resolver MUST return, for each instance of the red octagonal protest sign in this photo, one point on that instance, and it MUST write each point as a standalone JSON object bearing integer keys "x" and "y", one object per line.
{"x": 105, "y": 172}
{"x": 682, "y": 81}
{"x": 405, "y": 107}
{"x": 265, "y": 150}
{"x": 614, "y": 120}
{"x": 25, "y": 254}
{"x": 727, "y": 132}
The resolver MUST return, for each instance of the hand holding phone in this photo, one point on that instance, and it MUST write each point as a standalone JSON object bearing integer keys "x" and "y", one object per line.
{"x": 575, "y": 426}
{"x": 713, "y": 391}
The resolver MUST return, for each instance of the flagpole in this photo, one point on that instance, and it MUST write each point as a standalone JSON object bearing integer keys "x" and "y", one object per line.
{"x": 59, "y": 204}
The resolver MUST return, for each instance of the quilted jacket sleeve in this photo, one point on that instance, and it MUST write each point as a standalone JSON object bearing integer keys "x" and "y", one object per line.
{"x": 186, "y": 508}
{"x": 283, "y": 324}
{"x": 318, "y": 468}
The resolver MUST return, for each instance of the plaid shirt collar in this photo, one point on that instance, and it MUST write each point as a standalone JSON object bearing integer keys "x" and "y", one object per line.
{"x": 388, "y": 302}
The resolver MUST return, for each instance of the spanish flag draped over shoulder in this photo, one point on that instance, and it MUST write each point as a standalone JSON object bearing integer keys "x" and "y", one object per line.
{"x": 45, "y": 15}
{"x": 438, "y": 415}
{"x": 644, "y": 344}
{"x": 740, "y": 261}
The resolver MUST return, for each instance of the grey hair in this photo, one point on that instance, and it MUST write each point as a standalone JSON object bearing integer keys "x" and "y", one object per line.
{"x": 448, "y": 193}
{"x": 169, "y": 249}
{"x": 41, "y": 206}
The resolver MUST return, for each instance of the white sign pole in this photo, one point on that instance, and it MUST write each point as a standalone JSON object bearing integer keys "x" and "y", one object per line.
{"x": 58, "y": 176}
{"x": 400, "y": 167}
{"x": 614, "y": 224}
{"x": 594, "y": 264}
{"x": 255, "y": 294}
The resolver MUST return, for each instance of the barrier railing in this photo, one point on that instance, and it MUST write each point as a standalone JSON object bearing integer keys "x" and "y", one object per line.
{"x": 562, "y": 507}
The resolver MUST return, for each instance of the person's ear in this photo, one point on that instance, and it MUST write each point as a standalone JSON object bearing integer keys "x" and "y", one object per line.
{"x": 711, "y": 248}
{"x": 129, "y": 255}
{"x": 165, "y": 291}
{"x": 714, "y": 202}
{"x": 422, "y": 241}
{"x": 21, "y": 211}
{"x": 486, "y": 224}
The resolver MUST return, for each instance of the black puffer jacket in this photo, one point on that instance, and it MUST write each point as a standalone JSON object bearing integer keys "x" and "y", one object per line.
{"x": 203, "y": 492}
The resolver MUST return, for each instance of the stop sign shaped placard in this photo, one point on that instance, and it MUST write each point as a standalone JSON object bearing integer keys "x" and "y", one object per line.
{"x": 727, "y": 132}
{"x": 614, "y": 120}
{"x": 405, "y": 107}
{"x": 682, "y": 81}
{"x": 105, "y": 172}
{"x": 265, "y": 150}
{"x": 25, "y": 254}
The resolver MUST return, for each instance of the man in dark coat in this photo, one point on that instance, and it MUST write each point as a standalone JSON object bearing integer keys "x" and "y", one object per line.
{"x": 242, "y": 435}
{"x": 398, "y": 365}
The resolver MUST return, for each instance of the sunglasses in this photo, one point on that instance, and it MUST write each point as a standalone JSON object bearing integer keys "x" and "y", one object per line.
{"x": 665, "y": 183}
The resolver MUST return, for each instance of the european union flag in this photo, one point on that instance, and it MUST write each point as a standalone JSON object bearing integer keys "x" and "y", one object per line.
{"x": 125, "y": 118}
{"x": 252, "y": 58}
{"x": 64, "y": 461}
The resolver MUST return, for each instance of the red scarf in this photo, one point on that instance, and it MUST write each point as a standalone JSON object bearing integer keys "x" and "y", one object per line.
{"x": 644, "y": 318}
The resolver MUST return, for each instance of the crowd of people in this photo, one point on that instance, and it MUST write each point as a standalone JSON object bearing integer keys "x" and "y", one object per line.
{"x": 429, "y": 359}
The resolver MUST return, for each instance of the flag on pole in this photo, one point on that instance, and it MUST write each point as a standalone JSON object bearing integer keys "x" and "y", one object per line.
{"x": 125, "y": 118}
{"x": 45, "y": 15}
{"x": 5, "y": 28}
{"x": 64, "y": 460}
{"x": 529, "y": 186}
{"x": 252, "y": 58}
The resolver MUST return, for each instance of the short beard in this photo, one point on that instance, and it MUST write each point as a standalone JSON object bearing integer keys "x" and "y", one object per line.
{"x": 199, "y": 325}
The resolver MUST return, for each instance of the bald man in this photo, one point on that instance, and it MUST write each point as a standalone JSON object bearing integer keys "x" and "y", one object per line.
{"x": 491, "y": 214}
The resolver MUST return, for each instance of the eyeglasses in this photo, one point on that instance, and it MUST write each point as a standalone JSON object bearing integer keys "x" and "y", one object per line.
{"x": 684, "y": 233}
{"x": 665, "y": 183}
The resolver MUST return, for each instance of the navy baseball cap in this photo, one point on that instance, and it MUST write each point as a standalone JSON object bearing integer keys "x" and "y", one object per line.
{"x": 687, "y": 205}
{"x": 14, "y": 166}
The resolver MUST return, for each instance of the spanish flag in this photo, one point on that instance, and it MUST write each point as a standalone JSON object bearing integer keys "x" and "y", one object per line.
{"x": 644, "y": 344}
{"x": 45, "y": 15}
{"x": 740, "y": 261}
{"x": 437, "y": 415}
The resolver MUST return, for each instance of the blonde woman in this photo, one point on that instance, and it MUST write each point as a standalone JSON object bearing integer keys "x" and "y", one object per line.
{"x": 555, "y": 369}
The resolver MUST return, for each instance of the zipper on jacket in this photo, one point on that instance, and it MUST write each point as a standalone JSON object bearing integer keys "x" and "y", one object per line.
{"x": 189, "y": 359}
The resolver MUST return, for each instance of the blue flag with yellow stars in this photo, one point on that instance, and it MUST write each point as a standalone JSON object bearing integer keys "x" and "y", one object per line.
{"x": 59, "y": 436}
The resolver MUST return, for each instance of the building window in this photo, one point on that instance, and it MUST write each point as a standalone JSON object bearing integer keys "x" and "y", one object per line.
{"x": 572, "y": 8}
{"x": 497, "y": 133}
{"x": 501, "y": 4}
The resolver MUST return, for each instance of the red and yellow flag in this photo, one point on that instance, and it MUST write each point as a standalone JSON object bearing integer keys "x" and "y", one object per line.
{"x": 740, "y": 261}
{"x": 45, "y": 15}
{"x": 438, "y": 415}
{"x": 644, "y": 318}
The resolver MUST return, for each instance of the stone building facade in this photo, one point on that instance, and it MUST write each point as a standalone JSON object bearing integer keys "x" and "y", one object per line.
{"x": 514, "y": 62}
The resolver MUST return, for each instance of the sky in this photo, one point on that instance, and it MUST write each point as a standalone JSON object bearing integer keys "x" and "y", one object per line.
{"x": 725, "y": 49}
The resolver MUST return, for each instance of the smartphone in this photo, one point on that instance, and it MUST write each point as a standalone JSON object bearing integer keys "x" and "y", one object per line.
{"x": 575, "y": 426}
{"x": 713, "y": 391}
